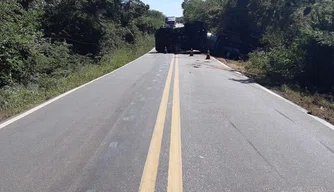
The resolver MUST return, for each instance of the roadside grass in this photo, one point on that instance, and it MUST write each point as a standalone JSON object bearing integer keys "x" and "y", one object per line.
{"x": 321, "y": 105}
{"x": 18, "y": 99}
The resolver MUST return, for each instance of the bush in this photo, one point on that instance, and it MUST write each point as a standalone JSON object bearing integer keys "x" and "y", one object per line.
{"x": 280, "y": 63}
{"x": 48, "y": 47}
{"x": 16, "y": 99}
{"x": 286, "y": 40}
{"x": 18, "y": 41}
{"x": 54, "y": 39}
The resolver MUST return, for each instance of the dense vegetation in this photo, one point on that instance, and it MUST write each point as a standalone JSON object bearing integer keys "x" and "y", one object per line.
{"x": 285, "y": 40}
{"x": 50, "y": 46}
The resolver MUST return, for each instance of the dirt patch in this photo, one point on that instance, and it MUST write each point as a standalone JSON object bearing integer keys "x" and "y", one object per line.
{"x": 321, "y": 105}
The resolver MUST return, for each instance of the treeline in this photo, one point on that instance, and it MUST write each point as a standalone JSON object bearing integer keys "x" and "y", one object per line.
{"x": 285, "y": 40}
{"x": 44, "y": 40}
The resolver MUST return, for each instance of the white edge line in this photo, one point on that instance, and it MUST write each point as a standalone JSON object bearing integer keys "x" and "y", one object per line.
{"x": 322, "y": 121}
{"x": 221, "y": 63}
{"x": 20, "y": 116}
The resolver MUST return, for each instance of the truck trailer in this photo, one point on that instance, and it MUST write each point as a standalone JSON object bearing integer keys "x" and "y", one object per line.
{"x": 194, "y": 35}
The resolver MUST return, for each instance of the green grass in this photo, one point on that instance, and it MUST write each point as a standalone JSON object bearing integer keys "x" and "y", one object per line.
{"x": 18, "y": 99}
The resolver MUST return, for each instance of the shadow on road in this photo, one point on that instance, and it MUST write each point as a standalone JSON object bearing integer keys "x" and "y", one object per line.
{"x": 179, "y": 53}
{"x": 245, "y": 81}
{"x": 154, "y": 52}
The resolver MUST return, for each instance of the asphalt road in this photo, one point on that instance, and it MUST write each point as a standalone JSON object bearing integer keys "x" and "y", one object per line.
{"x": 167, "y": 123}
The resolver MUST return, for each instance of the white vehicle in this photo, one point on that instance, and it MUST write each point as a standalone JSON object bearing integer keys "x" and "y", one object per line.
{"x": 170, "y": 22}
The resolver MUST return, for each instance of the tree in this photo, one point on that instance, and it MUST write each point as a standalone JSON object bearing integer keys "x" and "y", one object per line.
{"x": 48, "y": 38}
{"x": 291, "y": 40}
{"x": 207, "y": 11}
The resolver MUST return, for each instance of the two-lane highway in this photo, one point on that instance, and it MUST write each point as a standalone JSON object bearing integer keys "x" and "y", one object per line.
{"x": 167, "y": 123}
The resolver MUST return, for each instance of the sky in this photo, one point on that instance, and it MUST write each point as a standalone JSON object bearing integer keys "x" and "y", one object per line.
{"x": 168, "y": 7}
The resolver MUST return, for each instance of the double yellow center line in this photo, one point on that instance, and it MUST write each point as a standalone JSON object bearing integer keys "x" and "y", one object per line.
{"x": 149, "y": 176}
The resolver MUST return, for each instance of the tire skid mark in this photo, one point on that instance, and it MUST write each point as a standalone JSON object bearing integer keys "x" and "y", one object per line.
{"x": 265, "y": 159}
{"x": 328, "y": 148}
{"x": 256, "y": 150}
{"x": 236, "y": 128}
{"x": 284, "y": 115}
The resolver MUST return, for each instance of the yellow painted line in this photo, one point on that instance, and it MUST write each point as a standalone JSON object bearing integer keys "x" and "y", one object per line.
{"x": 175, "y": 154}
{"x": 149, "y": 176}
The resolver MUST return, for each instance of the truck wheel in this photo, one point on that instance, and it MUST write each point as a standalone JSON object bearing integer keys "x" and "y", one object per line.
{"x": 160, "y": 49}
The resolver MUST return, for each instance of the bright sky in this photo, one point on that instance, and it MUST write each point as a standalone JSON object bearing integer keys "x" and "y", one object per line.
{"x": 168, "y": 7}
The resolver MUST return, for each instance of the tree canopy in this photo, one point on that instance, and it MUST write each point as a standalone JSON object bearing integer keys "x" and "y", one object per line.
{"x": 51, "y": 37}
{"x": 290, "y": 40}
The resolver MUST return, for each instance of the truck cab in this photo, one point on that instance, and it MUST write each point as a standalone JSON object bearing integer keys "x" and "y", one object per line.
{"x": 170, "y": 22}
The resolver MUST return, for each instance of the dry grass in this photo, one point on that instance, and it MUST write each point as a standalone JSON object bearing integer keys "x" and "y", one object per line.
{"x": 321, "y": 105}
{"x": 236, "y": 65}
{"x": 239, "y": 66}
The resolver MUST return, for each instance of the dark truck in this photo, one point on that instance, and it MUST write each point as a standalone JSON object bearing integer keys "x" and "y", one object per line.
{"x": 193, "y": 35}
